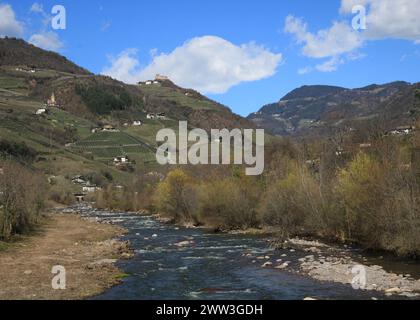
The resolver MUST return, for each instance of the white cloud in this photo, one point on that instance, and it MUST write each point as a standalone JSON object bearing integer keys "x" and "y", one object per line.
{"x": 208, "y": 64}
{"x": 348, "y": 5}
{"x": 330, "y": 65}
{"x": 47, "y": 41}
{"x": 38, "y": 8}
{"x": 305, "y": 70}
{"x": 389, "y": 19}
{"x": 124, "y": 67}
{"x": 338, "y": 39}
{"x": 9, "y": 26}
{"x": 385, "y": 19}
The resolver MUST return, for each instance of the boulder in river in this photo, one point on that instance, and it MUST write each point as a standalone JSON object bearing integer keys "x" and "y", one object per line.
{"x": 267, "y": 264}
{"x": 283, "y": 266}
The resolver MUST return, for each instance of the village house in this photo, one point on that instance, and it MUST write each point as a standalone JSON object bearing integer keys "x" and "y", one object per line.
{"x": 25, "y": 70}
{"x": 137, "y": 123}
{"x": 41, "y": 111}
{"x": 79, "y": 179}
{"x": 161, "y": 116}
{"x": 121, "y": 160}
{"x": 109, "y": 128}
{"x": 157, "y": 81}
{"x": 151, "y": 116}
{"x": 403, "y": 130}
{"x": 90, "y": 188}
{"x": 80, "y": 197}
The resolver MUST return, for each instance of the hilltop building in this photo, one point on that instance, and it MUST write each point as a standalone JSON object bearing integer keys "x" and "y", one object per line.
{"x": 160, "y": 77}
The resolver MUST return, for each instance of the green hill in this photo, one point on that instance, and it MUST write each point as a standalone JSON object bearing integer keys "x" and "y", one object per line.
{"x": 62, "y": 141}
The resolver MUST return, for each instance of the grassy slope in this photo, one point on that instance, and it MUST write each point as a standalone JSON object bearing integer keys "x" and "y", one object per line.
{"x": 178, "y": 96}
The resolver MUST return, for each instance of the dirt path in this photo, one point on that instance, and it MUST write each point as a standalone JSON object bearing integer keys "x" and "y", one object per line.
{"x": 82, "y": 247}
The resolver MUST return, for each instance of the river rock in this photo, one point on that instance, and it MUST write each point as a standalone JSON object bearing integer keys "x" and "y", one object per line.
{"x": 393, "y": 290}
{"x": 183, "y": 243}
{"x": 283, "y": 266}
{"x": 267, "y": 264}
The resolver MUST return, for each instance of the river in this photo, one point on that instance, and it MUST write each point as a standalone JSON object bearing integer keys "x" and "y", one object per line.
{"x": 209, "y": 266}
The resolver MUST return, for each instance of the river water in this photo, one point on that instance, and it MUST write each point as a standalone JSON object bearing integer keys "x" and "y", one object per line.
{"x": 211, "y": 267}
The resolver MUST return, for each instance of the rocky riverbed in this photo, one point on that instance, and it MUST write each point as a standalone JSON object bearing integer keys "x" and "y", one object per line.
{"x": 174, "y": 262}
{"x": 327, "y": 263}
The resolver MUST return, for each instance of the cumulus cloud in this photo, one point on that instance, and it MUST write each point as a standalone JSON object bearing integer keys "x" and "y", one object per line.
{"x": 9, "y": 26}
{"x": 389, "y": 19}
{"x": 124, "y": 67}
{"x": 385, "y": 19}
{"x": 208, "y": 64}
{"x": 338, "y": 39}
{"x": 47, "y": 41}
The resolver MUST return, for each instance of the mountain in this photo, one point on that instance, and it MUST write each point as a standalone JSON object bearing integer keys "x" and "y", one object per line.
{"x": 317, "y": 109}
{"x": 62, "y": 142}
{"x": 17, "y": 52}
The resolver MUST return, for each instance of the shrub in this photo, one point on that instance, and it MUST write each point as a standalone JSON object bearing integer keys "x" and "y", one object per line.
{"x": 230, "y": 203}
{"x": 21, "y": 200}
{"x": 381, "y": 205}
{"x": 177, "y": 196}
{"x": 293, "y": 202}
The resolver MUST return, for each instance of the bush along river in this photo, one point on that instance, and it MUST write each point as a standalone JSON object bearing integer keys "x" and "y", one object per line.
{"x": 174, "y": 263}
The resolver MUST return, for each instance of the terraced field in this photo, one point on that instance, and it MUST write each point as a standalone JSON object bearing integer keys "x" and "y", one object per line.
{"x": 105, "y": 146}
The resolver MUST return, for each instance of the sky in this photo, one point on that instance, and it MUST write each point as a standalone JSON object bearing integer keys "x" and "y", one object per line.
{"x": 241, "y": 53}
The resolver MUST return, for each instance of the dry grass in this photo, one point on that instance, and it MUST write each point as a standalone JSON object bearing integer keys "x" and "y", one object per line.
{"x": 25, "y": 267}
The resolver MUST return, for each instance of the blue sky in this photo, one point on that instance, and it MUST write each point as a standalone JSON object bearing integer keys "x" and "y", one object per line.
{"x": 255, "y": 54}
